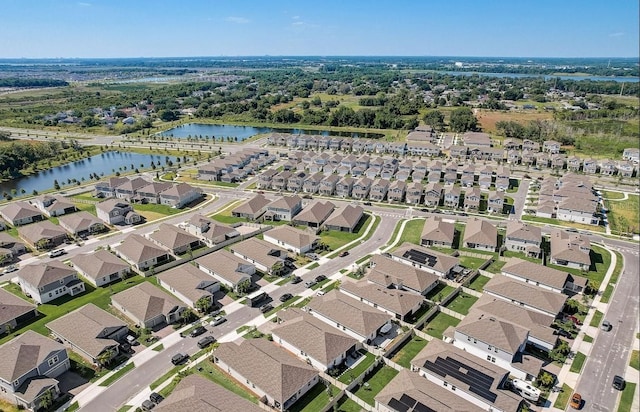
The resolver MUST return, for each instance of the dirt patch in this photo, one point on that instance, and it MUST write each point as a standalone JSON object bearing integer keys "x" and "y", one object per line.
{"x": 488, "y": 119}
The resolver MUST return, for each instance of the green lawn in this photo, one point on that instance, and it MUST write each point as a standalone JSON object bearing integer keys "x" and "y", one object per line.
{"x": 628, "y": 395}
{"x": 563, "y": 397}
{"x": 379, "y": 379}
{"x": 623, "y": 214}
{"x": 439, "y": 323}
{"x": 164, "y": 377}
{"x": 336, "y": 239}
{"x": 553, "y": 221}
{"x": 281, "y": 306}
{"x": 215, "y": 374}
{"x": 496, "y": 266}
{"x": 313, "y": 265}
{"x": 320, "y": 284}
{"x": 606, "y": 194}
{"x": 396, "y": 231}
{"x": 315, "y": 399}
{"x": 153, "y": 212}
{"x": 411, "y": 233}
{"x": 587, "y": 339}
{"x": 597, "y": 319}
{"x": 118, "y": 374}
{"x": 578, "y": 362}
{"x": 600, "y": 262}
{"x": 441, "y": 291}
{"x": 351, "y": 374}
{"x": 472, "y": 262}
{"x": 303, "y": 302}
{"x": 345, "y": 404}
{"x": 409, "y": 350}
{"x": 634, "y": 361}
{"x": 158, "y": 348}
{"x": 100, "y": 297}
{"x": 478, "y": 282}
{"x": 461, "y": 303}
{"x": 608, "y": 291}
{"x": 125, "y": 408}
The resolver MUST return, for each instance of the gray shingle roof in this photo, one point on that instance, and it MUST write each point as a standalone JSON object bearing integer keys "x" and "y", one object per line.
{"x": 99, "y": 264}
{"x": 188, "y": 281}
{"x": 386, "y": 271}
{"x": 481, "y": 232}
{"x": 20, "y": 210}
{"x": 24, "y": 353}
{"x": 291, "y": 236}
{"x": 537, "y": 273}
{"x": 316, "y": 213}
{"x": 139, "y": 249}
{"x": 146, "y": 301}
{"x": 394, "y": 300}
{"x": 12, "y": 306}
{"x": 533, "y": 296}
{"x": 41, "y": 274}
{"x": 79, "y": 221}
{"x": 347, "y": 216}
{"x": 437, "y": 230}
{"x": 173, "y": 237}
{"x": 225, "y": 264}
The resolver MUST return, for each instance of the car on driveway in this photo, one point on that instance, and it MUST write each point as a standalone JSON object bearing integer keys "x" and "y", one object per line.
{"x": 206, "y": 341}
{"x": 147, "y": 405}
{"x": 312, "y": 256}
{"x": 197, "y": 331}
{"x": 156, "y": 398}
{"x": 285, "y": 297}
{"x": 296, "y": 279}
{"x": 606, "y": 326}
{"x": 218, "y": 320}
{"x": 178, "y": 358}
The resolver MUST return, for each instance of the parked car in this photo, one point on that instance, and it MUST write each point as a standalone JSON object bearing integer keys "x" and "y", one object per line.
{"x": 286, "y": 297}
{"x": 321, "y": 293}
{"x": 606, "y": 326}
{"x": 197, "y": 331}
{"x": 206, "y": 341}
{"x": 367, "y": 203}
{"x": 218, "y": 320}
{"x": 266, "y": 308}
{"x": 9, "y": 269}
{"x": 56, "y": 253}
{"x": 312, "y": 256}
{"x": 178, "y": 358}
{"x": 576, "y": 401}
{"x": 562, "y": 332}
{"x": 131, "y": 340}
{"x": 320, "y": 278}
{"x": 344, "y": 253}
{"x": 296, "y": 279}
{"x": 147, "y": 405}
{"x": 424, "y": 209}
{"x": 156, "y": 398}
{"x": 619, "y": 383}
{"x": 310, "y": 283}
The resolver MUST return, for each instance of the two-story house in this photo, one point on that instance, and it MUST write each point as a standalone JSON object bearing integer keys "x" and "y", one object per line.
{"x": 44, "y": 282}
{"x": 524, "y": 238}
{"x": 480, "y": 234}
{"x": 53, "y": 205}
{"x": 284, "y": 208}
{"x": 116, "y": 212}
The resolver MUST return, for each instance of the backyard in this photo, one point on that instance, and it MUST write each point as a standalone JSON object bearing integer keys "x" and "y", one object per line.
{"x": 350, "y": 374}
{"x": 461, "y": 303}
{"x": 600, "y": 262}
{"x": 374, "y": 383}
{"x": 315, "y": 399}
{"x": 478, "y": 283}
{"x": 408, "y": 351}
{"x": 441, "y": 291}
{"x": 438, "y": 324}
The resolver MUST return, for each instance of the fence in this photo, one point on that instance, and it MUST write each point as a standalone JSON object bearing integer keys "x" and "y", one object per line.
{"x": 451, "y": 313}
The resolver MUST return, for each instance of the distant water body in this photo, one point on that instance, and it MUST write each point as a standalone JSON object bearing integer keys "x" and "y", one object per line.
{"x": 240, "y": 133}
{"x": 618, "y": 79}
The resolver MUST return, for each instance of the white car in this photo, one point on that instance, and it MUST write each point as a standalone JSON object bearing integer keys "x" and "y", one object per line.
{"x": 218, "y": 320}
{"x": 9, "y": 269}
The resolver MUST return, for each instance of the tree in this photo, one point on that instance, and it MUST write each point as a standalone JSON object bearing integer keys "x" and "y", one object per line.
{"x": 105, "y": 357}
{"x": 186, "y": 315}
{"x": 545, "y": 379}
{"x": 203, "y": 304}
{"x": 435, "y": 119}
{"x": 56, "y": 185}
{"x": 46, "y": 399}
{"x": 462, "y": 120}
{"x": 243, "y": 286}
{"x": 43, "y": 244}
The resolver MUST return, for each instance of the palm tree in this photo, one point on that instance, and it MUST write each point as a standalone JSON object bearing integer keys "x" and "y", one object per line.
{"x": 46, "y": 399}
{"x": 203, "y": 304}
{"x": 106, "y": 356}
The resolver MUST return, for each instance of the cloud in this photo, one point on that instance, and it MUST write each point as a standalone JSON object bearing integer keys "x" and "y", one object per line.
{"x": 295, "y": 17}
{"x": 237, "y": 20}
{"x": 616, "y": 34}
{"x": 297, "y": 23}
{"x": 84, "y": 4}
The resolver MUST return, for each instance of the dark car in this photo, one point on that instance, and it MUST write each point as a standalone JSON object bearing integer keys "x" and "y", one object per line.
{"x": 320, "y": 278}
{"x": 424, "y": 210}
{"x": 197, "y": 331}
{"x": 619, "y": 382}
{"x": 562, "y": 332}
{"x": 147, "y": 405}
{"x": 367, "y": 203}
{"x": 296, "y": 279}
{"x": 266, "y": 308}
{"x": 156, "y": 398}
{"x": 343, "y": 254}
{"x": 206, "y": 341}
{"x": 178, "y": 358}
{"x": 606, "y": 326}
{"x": 218, "y": 320}
{"x": 285, "y": 297}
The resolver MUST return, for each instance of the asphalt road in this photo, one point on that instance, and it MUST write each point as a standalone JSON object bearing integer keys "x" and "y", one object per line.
{"x": 610, "y": 352}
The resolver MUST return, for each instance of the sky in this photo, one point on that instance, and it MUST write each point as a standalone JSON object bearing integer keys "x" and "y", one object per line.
{"x": 162, "y": 28}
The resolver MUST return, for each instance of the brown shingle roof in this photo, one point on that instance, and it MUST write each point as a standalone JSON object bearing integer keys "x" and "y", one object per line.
{"x": 519, "y": 230}
{"x": 285, "y": 202}
{"x": 437, "y": 230}
{"x": 386, "y": 272}
{"x": 252, "y": 205}
{"x": 173, "y": 237}
{"x": 439, "y": 262}
{"x": 41, "y": 274}
{"x": 79, "y": 221}
{"x": 481, "y": 232}
{"x": 394, "y": 300}
{"x": 291, "y": 236}
{"x": 279, "y": 374}
{"x": 146, "y": 301}
{"x": 24, "y": 353}
{"x": 259, "y": 251}
{"x": 99, "y": 264}
{"x": 494, "y": 332}
{"x": 566, "y": 246}
{"x": 225, "y": 264}
{"x": 139, "y": 249}
{"x": 316, "y": 213}
{"x": 537, "y": 273}
{"x": 12, "y": 306}
{"x": 41, "y": 230}
{"x": 188, "y": 281}
{"x": 348, "y": 216}
{"x": 20, "y": 210}
{"x": 533, "y": 296}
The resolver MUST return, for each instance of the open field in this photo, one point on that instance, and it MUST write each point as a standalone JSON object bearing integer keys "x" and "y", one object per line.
{"x": 489, "y": 118}
{"x": 623, "y": 214}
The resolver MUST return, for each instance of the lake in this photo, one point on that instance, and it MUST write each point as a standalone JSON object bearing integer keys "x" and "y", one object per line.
{"x": 102, "y": 164}
{"x": 240, "y": 133}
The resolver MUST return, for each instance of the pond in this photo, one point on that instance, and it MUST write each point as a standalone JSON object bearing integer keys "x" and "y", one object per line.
{"x": 103, "y": 164}
{"x": 240, "y": 133}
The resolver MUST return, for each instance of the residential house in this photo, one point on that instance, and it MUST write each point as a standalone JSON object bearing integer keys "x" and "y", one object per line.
{"x": 408, "y": 391}
{"x": 191, "y": 285}
{"x": 526, "y": 295}
{"x": 148, "y": 306}
{"x": 344, "y": 188}
{"x": 21, "y": 213}
{"x": 363, "y": 161}
{"x": 264, "y": 255}
{"x": 607, "y": 167}
{"x": 452, "y": 196}
{"x": 264, "y": 180}
{"x": 570, "y": 249}
{"x": 356, "y": 319}
{"x": 401, "y": 175}
{"x": 312, "y": 184}
{"x": 142, "y": 253}
{"x": 632, "y": 154}
{"x": 280, "y": 380}
{"x": 10, "y": 247}
{"x": 101, "y": 267}
{"x": 43, "y": 235}
{"x": 476, "y": 139}
{"x": 574, "y": 163}
{"x": 551, "y": 146}
{"x": 14, "y": 311}
{"x": 513, "y": 157}
{"x": 296, "y": 181}
{"x": 423, "y": 149}
{"x": 625, "y": 169}
{"x": 480, "y": 234}
{"x": 414, "y": 192}
{"x": 292, "y": 239}
{"x": 91, "y": 332}
{"x": 327, "y": 186}
{"x": 81, "y": 223}
{"x": 129, "y": 189}
{"x": 390, "y": 273}
{"x": 178, "y": 241}
{"x": 151, "y": 192}
{"x": 279, "y": 181}
{"x": 180, "y": 195}
{"x": 472, "y": 199}
{"x": 361, "y": 188}
{"x": 590, "y": 166}
{"x": 44, "y": 282}
{"x": 546, "y": 209}
{"x": 543, "y": 276}
{"x": 314, "y": 215}
{"x": 379, "y": 190}
{"x": 458, "y": 152}
{"x": 524, "y": 238}
{"x": 30, "y": 365}
{"x": 433, "y": 194}
{"x": 253, "y": 208}
{"x": 449, "y": 178}
{"x": 397, "y": 303}
{"x": 396, "y": 191}
{"x": 284, "y": 208}
{"x": 578, "y": 209}
{"x": 475, "y": 380}
{"x": 107, "y": 188}
{"x": 117, "y": 212}
{"x": 226, "y": 267}
{"x": 558, "y": 161}
{"x": 313, "y": 341}
{"x": 437, "y": 232}
{"x": 512, "y": 144}
{"x": 495, "y": 202}
{"x": 53, "y": 205}
{"x": 530, "y": 145}
{"x": 426, "y": 259}
{"x": 345, "y": 219}
{"x": 209, "y": 230}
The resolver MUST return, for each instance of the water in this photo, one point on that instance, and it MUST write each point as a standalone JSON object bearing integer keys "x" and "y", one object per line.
{"x": 548, "y": 77}
{"x": 100, "y": 164}
{"x": 240, "y": 133}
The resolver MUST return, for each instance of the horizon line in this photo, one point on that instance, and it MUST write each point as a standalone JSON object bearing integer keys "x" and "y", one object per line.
{"x": 318, "y": 56}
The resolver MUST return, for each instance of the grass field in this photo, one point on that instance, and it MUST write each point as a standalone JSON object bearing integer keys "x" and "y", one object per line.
{"x": 380, "y": 378}
{"x": 336, "y": 239}
{"x": 608, "y": 291}
{"x": 345, "y": 404}
{"x": 408, "y": 351}
{"x": 552, "y": 221}
{"x": 479, "y": 282}
{"x": 411, "y": 233}
{"x": 153, "y": 212}
{"x": 634, "y": 361}
{"x": 470, "y": 262}
{"x": 597, "y": 319}
{"x": 623, "y": 214}
{"x": 351, "y": 374}
{"x": 628, "y": 395}
{"x": 215, "y": 374}
{"x": 461, "y": 303}
{"x": 489, "y": 118}
{"x": 441, "y": 291}
{"x": 315, "y": 399}
{"x": 439, "y": 323}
